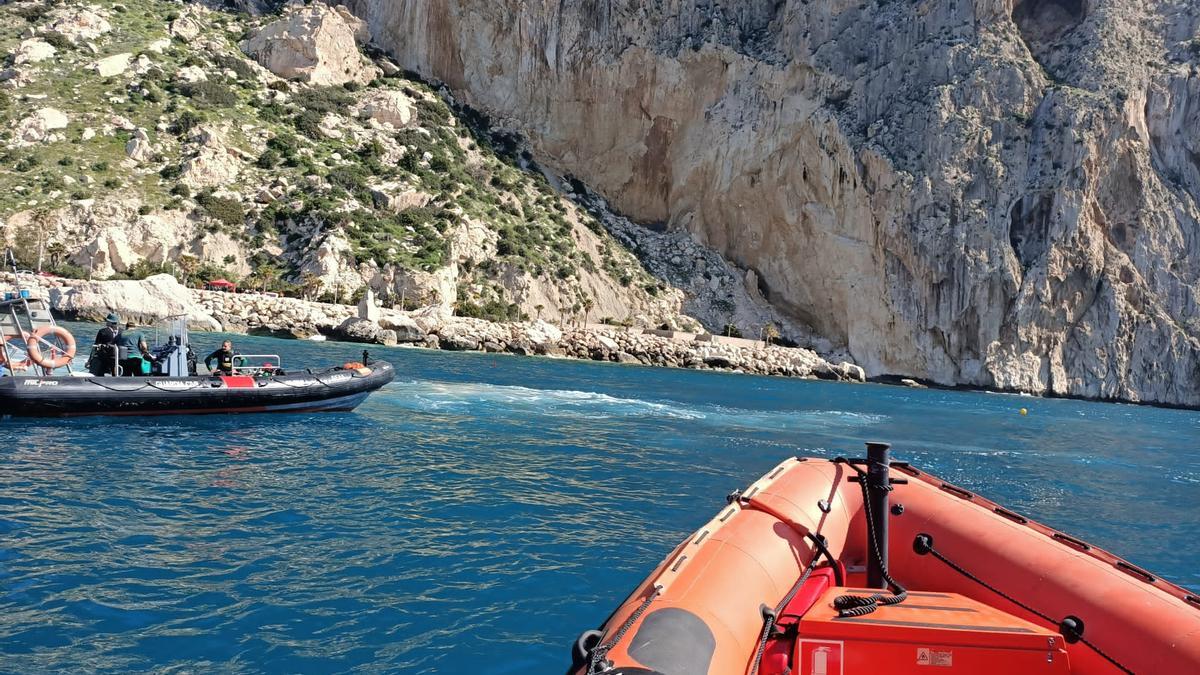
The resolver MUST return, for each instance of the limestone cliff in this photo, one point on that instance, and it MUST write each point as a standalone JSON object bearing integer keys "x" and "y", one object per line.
{"x": 280, "y": 151}
{"x": 994, "y": 192}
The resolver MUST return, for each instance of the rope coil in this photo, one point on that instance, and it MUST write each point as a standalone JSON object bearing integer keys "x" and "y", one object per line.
{"x": 862, "y": 605}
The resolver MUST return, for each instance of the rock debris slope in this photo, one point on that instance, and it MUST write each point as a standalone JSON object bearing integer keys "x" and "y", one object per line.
{"x": 993, "y": 192}
{"x": 140, "y": 137}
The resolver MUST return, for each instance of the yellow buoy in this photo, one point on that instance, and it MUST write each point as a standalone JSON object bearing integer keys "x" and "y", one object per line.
{"x": 1024, "y": 411}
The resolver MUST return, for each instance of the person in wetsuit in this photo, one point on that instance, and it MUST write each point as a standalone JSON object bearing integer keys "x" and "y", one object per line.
{"x": 103, "y": 360}
{"x": 223, "y": 357}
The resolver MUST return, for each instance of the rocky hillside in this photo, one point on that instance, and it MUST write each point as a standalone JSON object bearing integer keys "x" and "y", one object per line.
{"x": 144, "y": 136}
{"x": 994, "y": 192}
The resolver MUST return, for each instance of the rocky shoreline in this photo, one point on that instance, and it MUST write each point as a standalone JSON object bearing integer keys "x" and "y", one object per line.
{"x": 434, "y": 327}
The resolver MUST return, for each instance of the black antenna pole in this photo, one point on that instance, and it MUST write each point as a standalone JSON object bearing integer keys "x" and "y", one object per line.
{"x": 878, "y": 486}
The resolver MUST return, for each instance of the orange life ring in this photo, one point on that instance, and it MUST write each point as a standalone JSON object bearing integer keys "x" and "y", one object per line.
{"x": 351, "y": 365}
{"x": 35, "y": 349}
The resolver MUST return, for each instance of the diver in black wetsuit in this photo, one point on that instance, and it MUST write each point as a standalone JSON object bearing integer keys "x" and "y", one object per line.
{"x": 223, "y": 357}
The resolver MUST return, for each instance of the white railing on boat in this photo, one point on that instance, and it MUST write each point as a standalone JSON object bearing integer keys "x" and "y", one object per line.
{"x": 271, "y": 366}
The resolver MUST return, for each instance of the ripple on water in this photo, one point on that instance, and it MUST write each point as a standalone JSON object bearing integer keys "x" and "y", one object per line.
{"x": 478, "y": 514}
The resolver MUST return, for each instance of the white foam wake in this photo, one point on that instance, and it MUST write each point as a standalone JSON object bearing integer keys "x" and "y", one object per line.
{"x": 483, "y": 399}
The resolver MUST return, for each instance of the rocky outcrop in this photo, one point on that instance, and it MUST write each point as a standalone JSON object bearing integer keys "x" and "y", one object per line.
{"x": 111, "y": 66}
{"x": 994, "y": 192}
{"x": 111, "y": 237}
{"x": 212, "y": 162}
{"x": 389, "y": 107}
{"x": 142, "y": 302}
{"x": 80, "y": 24}
{"x": 316, "y": 44}
{"x": 39, "y": 126}
{"x": 32, "y": 50}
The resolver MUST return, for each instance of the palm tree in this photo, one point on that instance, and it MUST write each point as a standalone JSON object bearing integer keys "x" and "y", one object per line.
{"x": 588, "y": 304}
{"x": 538, "y": 309}
{"x": 266, "y": 273}
{"x": 309, "y": 284}
{"x": 770, "y": 332}
{"x": 187, "y": 266}
{"x": 56, "y": 250}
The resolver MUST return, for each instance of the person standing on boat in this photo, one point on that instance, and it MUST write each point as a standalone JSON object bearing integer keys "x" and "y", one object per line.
{"x": 132, "y": 351}
{"x": 110, "y": 334}
{"x": 103, "y": 360}
{"x": 223, "y": 357}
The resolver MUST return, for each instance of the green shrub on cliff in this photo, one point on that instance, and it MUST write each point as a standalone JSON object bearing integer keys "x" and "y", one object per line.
{"x": 319, "y": 180}
{"x": 228, "y": 211}
{"x": 209, "y": 93}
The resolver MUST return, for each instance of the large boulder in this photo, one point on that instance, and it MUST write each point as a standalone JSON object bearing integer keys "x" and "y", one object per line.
{"x": 355, "y": 329}
{"x": 404, "y": 326}
{"x": 147, "y": 301}
{"x": 458, "y": 338}
{"x": 316, "y": 44}
{"x": 138, "y": 148}
{"x": 213, "y": 163}
{"x": 185, "y": 28}
{"x": 38, "y": 127}
{"x": 80, "y": 24}
{"x": 542, "y": 333}
{"x": 844, "y": 372}
{"x": 32, "y": 50}
{"x": 112, "y": 66}
{"x": 389, "y": 107}
{"x": 398, "y": 196}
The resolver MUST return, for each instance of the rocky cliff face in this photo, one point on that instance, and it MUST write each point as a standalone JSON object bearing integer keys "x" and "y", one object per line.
{"x": 994, "y": 192}
{"x": 147, "y": 136}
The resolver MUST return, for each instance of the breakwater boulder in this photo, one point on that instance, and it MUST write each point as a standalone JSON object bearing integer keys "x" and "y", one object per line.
{"x": 263, "y": 314}
{"x": 355, "y": 329}
{"x": 160, "y": 296}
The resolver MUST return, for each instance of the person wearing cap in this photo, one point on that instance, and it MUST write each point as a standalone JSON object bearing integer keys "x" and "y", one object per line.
{"x": 110, "y": 334}
{"x": 103, "y": 360}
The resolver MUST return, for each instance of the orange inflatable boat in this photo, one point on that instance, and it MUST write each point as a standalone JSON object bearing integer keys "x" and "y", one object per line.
{"x": 855, "y": 566}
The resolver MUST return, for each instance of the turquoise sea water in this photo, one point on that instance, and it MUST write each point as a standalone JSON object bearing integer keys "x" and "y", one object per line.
{"x": 479, "y": 512}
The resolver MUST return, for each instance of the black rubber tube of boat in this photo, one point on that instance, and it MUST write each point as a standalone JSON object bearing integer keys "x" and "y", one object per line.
{"x": 923, "y": 544}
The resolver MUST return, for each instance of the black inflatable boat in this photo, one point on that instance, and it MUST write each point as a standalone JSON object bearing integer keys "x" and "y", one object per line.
{"x": 341, "y": 388}
{"x": 163, "y": 380}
